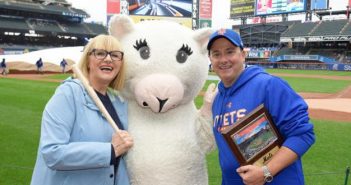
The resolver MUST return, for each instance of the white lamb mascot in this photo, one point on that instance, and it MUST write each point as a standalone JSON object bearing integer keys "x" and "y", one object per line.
{"x": 166, "y": 69}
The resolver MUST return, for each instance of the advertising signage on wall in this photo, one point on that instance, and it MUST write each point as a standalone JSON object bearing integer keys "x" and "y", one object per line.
{"x": 168, "y": 8}
{"x": 319, "y": 4}
{"x": 113, "y": 6}
{"x": 195, "y": 16}
{"x": 316, "y": 38}
{"x": 205, "y": 23}
{"x": 183, "y": 21}
{"x": 239, "y": 8}
{"x": 205, "y": 9}
{"x": 259, "y": 54}
{"x": 269, "y": 7}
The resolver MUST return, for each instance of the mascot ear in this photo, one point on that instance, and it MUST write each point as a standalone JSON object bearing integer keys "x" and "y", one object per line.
{"x": 202, "y": 36}
{"x": 119, "y": 25}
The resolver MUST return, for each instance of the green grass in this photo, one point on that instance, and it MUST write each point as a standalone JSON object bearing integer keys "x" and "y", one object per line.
{"x": 310, "y": 72}
{"x": 305, "y": 72}
{"x": 214, "y": 170}
{"x": 316, "y": 85}
{"x": 330, "y": 154}
{"x": 59, "y": 76}
{"x": 313, "y": 85}
{"x": 22, "y": 103}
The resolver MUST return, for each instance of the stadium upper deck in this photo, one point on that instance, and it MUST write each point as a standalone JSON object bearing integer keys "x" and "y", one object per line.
{"x": 327, "y": 39}
{"x": 36, "y": 24}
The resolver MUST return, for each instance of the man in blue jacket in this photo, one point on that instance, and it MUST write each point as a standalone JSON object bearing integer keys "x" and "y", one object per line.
{"x": 241, "y": 90}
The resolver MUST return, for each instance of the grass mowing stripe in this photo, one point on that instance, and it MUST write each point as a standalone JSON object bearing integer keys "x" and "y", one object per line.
{"x": 330, "y": 153}
{"x": 310, "y": 72}
{"x": 59, "y": 76}
{"x": 312, "y": 85}
{"x": 21, "y": 105}
{"x": 305, "y": 72}
{"x": 316, "y": 85}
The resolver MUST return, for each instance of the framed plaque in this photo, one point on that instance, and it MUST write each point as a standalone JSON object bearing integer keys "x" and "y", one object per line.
{"x": 254, "y": 139}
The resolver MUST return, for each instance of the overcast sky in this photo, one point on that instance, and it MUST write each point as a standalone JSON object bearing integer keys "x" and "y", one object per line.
{"x": 97, "y": 10}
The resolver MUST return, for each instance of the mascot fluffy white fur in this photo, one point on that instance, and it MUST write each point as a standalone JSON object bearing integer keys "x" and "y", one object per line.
{"x": 166, "y": 69}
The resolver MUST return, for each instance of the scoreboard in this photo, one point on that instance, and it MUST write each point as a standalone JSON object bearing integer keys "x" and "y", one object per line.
{"x": 269, "y": 7}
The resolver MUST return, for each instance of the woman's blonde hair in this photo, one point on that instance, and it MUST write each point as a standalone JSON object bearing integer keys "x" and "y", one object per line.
{"x": 109, "y": 43}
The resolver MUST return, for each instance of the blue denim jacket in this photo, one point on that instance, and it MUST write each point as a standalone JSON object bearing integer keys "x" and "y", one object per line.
{"x": 75, "y": 140}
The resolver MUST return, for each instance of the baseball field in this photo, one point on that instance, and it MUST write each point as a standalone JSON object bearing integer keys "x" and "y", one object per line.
{"x": 328, "y": 94}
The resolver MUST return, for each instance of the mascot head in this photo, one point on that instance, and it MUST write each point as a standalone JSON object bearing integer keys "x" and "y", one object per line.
{"x": 166, "y": 63}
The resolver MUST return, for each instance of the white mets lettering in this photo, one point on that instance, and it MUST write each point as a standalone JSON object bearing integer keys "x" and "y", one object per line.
{"x": 229, "y": 118}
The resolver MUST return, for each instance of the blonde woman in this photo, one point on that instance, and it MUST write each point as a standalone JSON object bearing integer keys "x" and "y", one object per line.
{"x": 77, "y": 145}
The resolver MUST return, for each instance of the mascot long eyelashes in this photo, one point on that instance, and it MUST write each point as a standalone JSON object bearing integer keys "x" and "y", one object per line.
{"x": 143, "y": 48}
{"x": 183, "y": 53}
{"x": 169, "y": 148}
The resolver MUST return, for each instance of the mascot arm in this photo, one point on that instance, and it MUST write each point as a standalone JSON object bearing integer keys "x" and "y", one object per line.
{"x": 204, "y": 120}
{"x": 206, "y": 109}
{"x": 204, "y": 134}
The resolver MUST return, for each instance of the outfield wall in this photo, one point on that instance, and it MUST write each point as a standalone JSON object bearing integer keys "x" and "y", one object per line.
{"x": 307, "y": 65}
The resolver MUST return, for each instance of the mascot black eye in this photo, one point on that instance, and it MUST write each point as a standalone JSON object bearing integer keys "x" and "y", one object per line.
{"x": 143, "y": 48}
{"x": 144, "y": 52}
{"x": 183, "y": 53}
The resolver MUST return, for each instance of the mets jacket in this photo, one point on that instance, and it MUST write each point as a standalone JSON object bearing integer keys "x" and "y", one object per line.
{"x": 288, "y": 110}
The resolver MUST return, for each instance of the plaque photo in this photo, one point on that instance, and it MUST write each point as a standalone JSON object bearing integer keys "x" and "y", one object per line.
{"x": 254, "y": 139}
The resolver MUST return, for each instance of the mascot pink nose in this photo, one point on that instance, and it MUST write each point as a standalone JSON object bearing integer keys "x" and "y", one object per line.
{"x": 159, "y": 92}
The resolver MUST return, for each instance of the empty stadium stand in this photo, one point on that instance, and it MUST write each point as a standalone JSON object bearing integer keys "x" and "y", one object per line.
{"x": 300, "y": 29}
{"x": 329, "y": 28}
{"x": 347, "y": 29}
{"x": 13, "y": 23}
{"x": 33, "y": 24}
{"x": 324, "y": 44}
{"x": 263, "y": 35}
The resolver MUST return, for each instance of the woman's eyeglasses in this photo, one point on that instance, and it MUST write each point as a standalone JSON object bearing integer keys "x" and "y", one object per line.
{"x": 101, "y": 54}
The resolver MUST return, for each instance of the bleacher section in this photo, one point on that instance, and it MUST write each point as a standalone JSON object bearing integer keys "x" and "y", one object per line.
{"x": 285, "y": 51}
{"x": 347, "y": 29}
{"x": 17, "y": 5}
{"x": 40, "y": 8}
{"x": 44, "y": 25}
{"x": 331, "y": 53}
{"x": 328, "y": 38}
{"x": 266, "y": 35}
{"x": 96, "y": 28}
{"x": 13, "y": 23}
{"x": 74, "y": 28}
{"x": 322, "y": 28}
{"x": 41, "y": 25}
{"x": 329, "y": 28}
{"x": 300, "y": 29}
{"x": 59, "y": 9}
{"x": 31, "y": 24}
{"x": 347, "y": 58}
